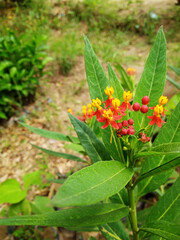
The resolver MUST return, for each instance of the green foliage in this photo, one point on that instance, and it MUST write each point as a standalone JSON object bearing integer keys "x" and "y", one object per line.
{"x": 107, "y": 178}
{"x": 11, "y": 191}
{"x": 164, "y": 229}
{"x": 74, "y": 217}
{"x": 153, "y": 78}
{"x": 22, "y": 63}
{"x": 118, "y": 176}
{"x": 126, "y": 81}
{"x": 168, "y": 134}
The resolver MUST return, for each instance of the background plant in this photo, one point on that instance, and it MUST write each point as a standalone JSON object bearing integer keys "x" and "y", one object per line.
{"x": 22, "y": 63}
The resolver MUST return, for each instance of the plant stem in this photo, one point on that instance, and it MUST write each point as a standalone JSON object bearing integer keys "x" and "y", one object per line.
{"x": 132, "y": 212}
{"x": 120, "y": 150}
{"x": 137, "y": 120}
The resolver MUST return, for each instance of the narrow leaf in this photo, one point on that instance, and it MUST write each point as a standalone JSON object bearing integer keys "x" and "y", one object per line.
{"x": 115, "y": 83}
{"x": 97, "y": 82}
{"x": 73, "y": 217}
{"x": 96, "y": 76}
{"x": 92, "y": 145}
{"x": 176, "y": 70}
{"x": 153, "y": 78}
{"x": 93, "y": 184}
{"x": 167, "y": 208}
{"x": 117, "y": 229}
{"x": 176, "y": 84}
{"x": 41, "y": 205}
{"x": 170, "y": 133}
{"x": 59, "y": 154}
{"x": 113, "y": 148}
{"x": 161, "y": 149}
{"x": 167, "y": 230}
{"x": 162, "y": 168}
{"x": 126, "y": 81}
{"x": 48, "y": 134}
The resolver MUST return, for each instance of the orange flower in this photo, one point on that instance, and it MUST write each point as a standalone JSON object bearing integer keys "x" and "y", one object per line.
{"x": 131, "y": 71}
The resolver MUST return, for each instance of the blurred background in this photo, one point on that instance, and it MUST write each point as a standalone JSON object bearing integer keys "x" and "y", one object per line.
{"x": 42, "y": 72}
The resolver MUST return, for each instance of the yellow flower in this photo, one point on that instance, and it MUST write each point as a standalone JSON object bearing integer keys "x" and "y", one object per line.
{"x": 69, "y": 110}
{"x": 163, "y": 100}
{"x": 158, "y": 109}
{"x": 116, "y": 103}
{"x": 127, "y": 96}
{"x": 96, "y": 103}
{"x": 109, "y": 91}
{"x": 108, "y": 114}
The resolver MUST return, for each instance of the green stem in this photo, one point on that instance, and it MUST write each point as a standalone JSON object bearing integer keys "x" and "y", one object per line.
{"x": 138, "y": 120}
{"x": 132, "y": 212}
{"x": 143, "y": 121}
{"x": 120, "y": 150}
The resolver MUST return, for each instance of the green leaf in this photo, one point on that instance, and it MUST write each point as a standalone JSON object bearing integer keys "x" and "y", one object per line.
{"x": 167, "y": 208}
{"x": 2, "y": 115}
{"x": 153, "y": 78}
{"x": 84, "y": 229}
{"x": 126, "y": 81}
{"x": 97, "y": 82}
{"x": 167, "y": 230}
{"x": 117, "y": 229}
{"x": 176, "y": 70}
{"x": 176, "y": 84}
{"x": 161, "y": 149}
{"x": 48, "y": 134}
{"x": 75, "y": 147}
{"x": 162, "y": 168}
{"x": 11, "y": 191}
{"x": 170, "y": 133}
{"x": 93, "y": 184}
{"x": 59, "y": 181}
{"x": 33, "y": 178}
{"x": 115, "y": 83}
{"x": 41, "y": 205}
{"x": 143, "y": 215}
{"x": 13, "y": 72}
{"x": 92, "y": 145}
{"x": 96, "y": 76}
{"x": 5, "y": 64}
{"x": 73, "y": 217}
{"x": 59, "y": 154}
{"x": 22, "y": 207}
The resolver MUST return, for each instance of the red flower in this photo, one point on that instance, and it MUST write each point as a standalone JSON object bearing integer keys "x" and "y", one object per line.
{"x": 126, "y": 96}
{"x": 156, "y": 118}
{"x": 108, "y": 118}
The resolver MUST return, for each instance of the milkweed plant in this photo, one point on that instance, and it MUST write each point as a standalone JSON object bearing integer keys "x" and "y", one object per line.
{"x": 115, "y": 131}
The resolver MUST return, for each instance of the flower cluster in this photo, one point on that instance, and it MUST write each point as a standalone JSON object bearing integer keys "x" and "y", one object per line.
{"x": 115, "y": 114}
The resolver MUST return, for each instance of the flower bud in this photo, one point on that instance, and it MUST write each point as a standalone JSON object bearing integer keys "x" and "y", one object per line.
{"x": 130, "y": 121}
{"x": 145, "y": 100}
{"x": 124, "y": 131}
{"x": 136, "y": 107}
{"x": 144, "y": 109}
{"x": 125, "y": 123}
